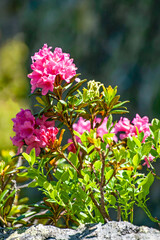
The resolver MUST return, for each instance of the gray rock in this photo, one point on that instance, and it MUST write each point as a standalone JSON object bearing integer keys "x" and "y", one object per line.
{"x": 111, "y": 231}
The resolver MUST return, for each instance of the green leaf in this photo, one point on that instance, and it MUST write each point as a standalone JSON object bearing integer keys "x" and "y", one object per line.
{"x": 59, "y": 107}
{"x": 3, "y": 194}
{"x": 33, "y": 184}
{"x": 77, "y": 134}
{"x": 108, "y": 137}
{"x": 109, "y": 174}
{"x": 155, "y": 125}
{"x": 136, "y": 160}
{"x": 73, "y": 158}
{"x": 27, "y": 157}
{"x": 83, "y": 215}
{"x": 146, "y": 148}
{"x": 119, "y": 111}
{"x": 66, "y": 146}
{"x": 40, "y": 180}
{"x": 22, "y": 174}
{"x": 82, "y": 147}
{"x": 112, "y": 200}
{"x": 86, "y": 178}
{"x": 58, "y": 173}
{"x": 84, "y": 139}
{"x": 11, "y": 195}
{"x": 97, "y": 165}
{"x": 141, "y": 136}
{"x": 157, "y": 136}
{"x": 24, "y": 215}
{"x": 138, "y": 143}
{"x": 74, "y": 88}
{"x": 90, "y": 149}
{"x": 63, "y": 103}
{"x": 32, "y": 173}
{"x": 65, "y": 176}
{"x": 145, "y": 185}
{"x": 130, "y": 143}
{"x": 114, "y": 101}
{"x": 33, "y": 156}
{"x": 71, "y": 80}
{"x": 120, "y": 104}
{"x": 47, "y": 186}
{"x": 39, "y": 100}
{"x": 109, "y": 122}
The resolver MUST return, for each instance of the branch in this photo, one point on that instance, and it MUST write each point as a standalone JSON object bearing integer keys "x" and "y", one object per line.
{"x": 103, "y": 210}
{"x": 76, "y": 146}
{"x": 61, "y": 153}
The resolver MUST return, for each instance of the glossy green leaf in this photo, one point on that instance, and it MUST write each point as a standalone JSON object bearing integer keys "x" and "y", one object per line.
{"x": 118, "y": 111}
{"x": 109, "y": 121}
{"x": 146, "y": 148}
{"x": 27, "y": 157}
{"x": 74, "y": 88}
{"x": 63, "y": 103}
{"x": 138, "y": 143}
{"x": 136, "y": 160}
{"x": 86, "y": 178}
{"x": 130, "y": 143}
{"x": 109, "y": 174}
{"x": 3, "y": 194}
{"x": 33, "y": 156}
{"x": 145, "y": 186}
{"x": 77, "y": 134}
{"x": 39, "y": 100}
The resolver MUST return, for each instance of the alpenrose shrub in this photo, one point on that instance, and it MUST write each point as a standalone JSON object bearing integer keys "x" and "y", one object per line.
{"x": 99, "y": 167}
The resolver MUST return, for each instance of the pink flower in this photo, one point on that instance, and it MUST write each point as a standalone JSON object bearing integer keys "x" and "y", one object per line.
{"x": 23, "y": 126}
{"x": 84, "y": 125}
{"x": 81, "y": 126}
{"x": 33, "y": 142}
{"x": 147, "y": 160}
{"x": 48, "y": 135}
{"x": 43, "y": 122}
{"x": 124, "y": 125}
{"x": 33, "y": 133}
{"x": 143, "y": 125}
{"x": 138, "y": 123}
{"x": 46, "y": 65}
{"x": 18, "y": 141}
{"x": 26, "y": 130}
{"x": 22, "y": 117}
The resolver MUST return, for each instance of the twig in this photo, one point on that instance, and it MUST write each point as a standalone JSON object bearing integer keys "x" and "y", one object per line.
{"x": 61, "y": 153}
{"x": 76, "y": 146}
{"x": 103, "y": 210}
{"x": 48, "y": 171}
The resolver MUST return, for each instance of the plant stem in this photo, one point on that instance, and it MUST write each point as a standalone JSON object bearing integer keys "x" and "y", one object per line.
{"x": 62, "y": 154}
{"x": 103, "y": 210}
{"x": 3, "y": 221}
{"x": 99, "y": 124}
{"x": 76, "y": 146}
{"x": 48, "y": 171}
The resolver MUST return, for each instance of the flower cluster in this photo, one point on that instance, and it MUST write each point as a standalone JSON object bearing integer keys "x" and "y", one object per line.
{"x": 129, "y": 129}
{"x": 33, "y": 133}
{"x": 84, "y": 125}
{"x": 124, "y": 125}
{"x": 46, "y": 65}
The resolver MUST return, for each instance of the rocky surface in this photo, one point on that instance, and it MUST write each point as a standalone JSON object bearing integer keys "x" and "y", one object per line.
{"x": 112, "y": 230}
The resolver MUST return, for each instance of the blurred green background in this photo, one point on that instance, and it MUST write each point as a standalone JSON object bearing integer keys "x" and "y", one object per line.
{"x": 115, "y": 42}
